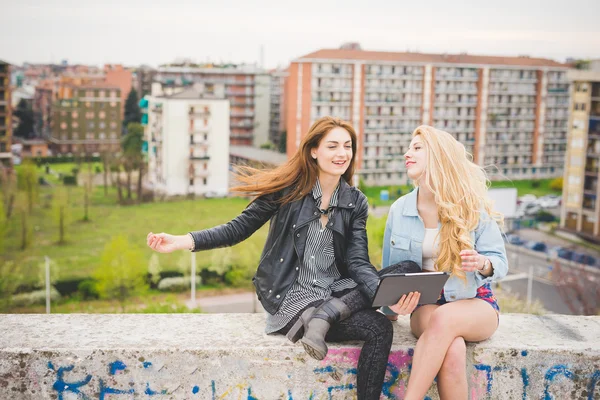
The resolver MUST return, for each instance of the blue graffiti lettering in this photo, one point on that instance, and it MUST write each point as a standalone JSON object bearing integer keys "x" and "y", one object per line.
{"x": 116, "y": 366}
{"x": 594, "y": 378}
{"x": 61, "y": 386}
{"x": 488, "y": 373}
{"x": 551, "y": 374}
{"x": 104, "y": 390}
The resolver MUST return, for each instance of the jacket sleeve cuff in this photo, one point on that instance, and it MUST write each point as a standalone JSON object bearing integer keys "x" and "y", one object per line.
{"x": 499, "y": 266}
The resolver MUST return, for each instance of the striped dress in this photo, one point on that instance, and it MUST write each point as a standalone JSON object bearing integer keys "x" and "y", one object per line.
{"x": 318, "y": 277}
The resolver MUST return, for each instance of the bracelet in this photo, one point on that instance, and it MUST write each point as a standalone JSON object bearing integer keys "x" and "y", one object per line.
{"x": 193, "y": 242}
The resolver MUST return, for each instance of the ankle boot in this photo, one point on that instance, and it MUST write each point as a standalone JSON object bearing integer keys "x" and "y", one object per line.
{"x": 333, "y": 310}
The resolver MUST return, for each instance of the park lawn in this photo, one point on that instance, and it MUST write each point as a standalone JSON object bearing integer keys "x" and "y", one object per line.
{"x": 81, "y": 255}
{"x": 527, "y": 187}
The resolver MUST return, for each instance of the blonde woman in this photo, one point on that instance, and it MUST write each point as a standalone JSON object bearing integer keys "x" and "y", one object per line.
{"x": 446, "y": 224}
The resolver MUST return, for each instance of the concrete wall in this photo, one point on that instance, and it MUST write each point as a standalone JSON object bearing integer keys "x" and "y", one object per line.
{"x": 229, "y": 357}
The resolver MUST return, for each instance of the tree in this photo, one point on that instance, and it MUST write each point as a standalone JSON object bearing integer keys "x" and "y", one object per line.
{"x": 132, "y": 109}
{"x": 283, "y": 142}
{"x": 267, "y": 146}
{"x": 27, "y": 181}
{"x": 132, "y": 144}
{"x": 8, "y": 189}
{"x": 122, "y": 271}
{"x": 24, "y": 113}
{"x": 61, "y": 205}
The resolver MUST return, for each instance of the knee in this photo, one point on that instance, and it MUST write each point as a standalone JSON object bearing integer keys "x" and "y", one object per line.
{"x": 403, "y": 267}
{"x": 381, "y": 328}
{"x": 439, "y": 323}
{"x": 456, "y": 357}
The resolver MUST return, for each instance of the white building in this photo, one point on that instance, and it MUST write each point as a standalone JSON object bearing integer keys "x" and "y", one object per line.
{"x": 188, "y": 143}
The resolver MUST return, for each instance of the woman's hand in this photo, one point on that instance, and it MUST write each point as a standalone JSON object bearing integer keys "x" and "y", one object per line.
{"x": 406, "y": 304}
{"x": 165, "y": 243}
{"x": 472, "y": 261}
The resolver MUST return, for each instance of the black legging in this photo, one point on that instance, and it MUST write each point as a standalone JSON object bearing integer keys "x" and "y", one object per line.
{"x": 370, "y": 326}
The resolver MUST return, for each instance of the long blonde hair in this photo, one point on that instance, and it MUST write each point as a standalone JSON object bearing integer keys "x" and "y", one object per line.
{"x": 460, "y": 189}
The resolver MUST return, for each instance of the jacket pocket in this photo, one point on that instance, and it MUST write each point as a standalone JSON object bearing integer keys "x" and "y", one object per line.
{"x": 404, "y": 248}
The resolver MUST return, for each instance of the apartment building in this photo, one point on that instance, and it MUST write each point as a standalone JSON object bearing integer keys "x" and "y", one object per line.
{"x": 247, "y": 89}
{"x": 117, "y": 75}
{"x": 580, "y": 210}
{"x": 509, "y": 112}
{"x": 5, "y": 115}
{"x": 49, "y": 91}
{"x": 277, "y": 108}
{"x": 188, "y": 142}
{"x": 86, "y": 118}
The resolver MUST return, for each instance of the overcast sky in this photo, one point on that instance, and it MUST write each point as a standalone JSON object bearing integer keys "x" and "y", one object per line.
{"x": 153, "y": 32}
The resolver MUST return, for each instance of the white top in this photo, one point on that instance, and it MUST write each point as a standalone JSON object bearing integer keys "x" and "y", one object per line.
{"x": 430, "y": 247}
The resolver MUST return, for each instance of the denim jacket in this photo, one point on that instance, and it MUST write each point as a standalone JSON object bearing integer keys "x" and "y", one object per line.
{"x": 403, "y": 240}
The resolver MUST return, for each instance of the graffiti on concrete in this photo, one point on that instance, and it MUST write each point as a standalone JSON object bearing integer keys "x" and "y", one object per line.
{"x": 335, "y": 378}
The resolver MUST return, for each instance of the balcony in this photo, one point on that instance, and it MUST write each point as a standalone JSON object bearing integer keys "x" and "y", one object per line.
{"x": 199, "y": 113}
{"x": 199, "y": 157}
{"x": 246, "y": 125}
{"x": 199, "y": 129}
{"x": 239, "y": 94}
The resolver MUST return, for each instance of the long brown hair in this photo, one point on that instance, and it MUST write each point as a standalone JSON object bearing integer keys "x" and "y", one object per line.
{"x": 300, "y": 172}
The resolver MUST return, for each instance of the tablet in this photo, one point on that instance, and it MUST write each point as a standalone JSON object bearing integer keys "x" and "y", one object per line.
{"x": 391, "y": 287}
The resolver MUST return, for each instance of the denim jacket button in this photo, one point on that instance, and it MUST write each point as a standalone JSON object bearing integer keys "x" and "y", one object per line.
{"x": 393, "y": 242}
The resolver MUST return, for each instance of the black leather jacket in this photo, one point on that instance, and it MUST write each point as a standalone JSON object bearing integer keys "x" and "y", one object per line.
{"x": 284, "y": 250}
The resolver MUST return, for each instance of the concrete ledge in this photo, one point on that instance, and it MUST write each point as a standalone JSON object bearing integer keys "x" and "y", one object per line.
{"x": 227, "y": 356}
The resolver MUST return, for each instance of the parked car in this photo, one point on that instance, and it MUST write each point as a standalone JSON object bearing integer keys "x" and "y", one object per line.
{"x": 526, "y": 199}
{"x": 536, "y": 246}
{"x": 549, "y": 201}
{"x": 560, "y": 252}
{"x": 514, "y": 239}
{"x": 583, "y": 259}
{"x": 532, "y": 209}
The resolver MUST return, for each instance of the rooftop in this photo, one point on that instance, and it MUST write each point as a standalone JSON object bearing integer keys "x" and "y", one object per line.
{"x": 363, "y": 55}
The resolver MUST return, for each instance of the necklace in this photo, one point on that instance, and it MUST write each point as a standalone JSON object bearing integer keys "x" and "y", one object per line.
{"x": 325, "y": 212}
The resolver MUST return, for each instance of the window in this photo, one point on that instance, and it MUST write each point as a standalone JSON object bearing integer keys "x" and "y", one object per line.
{"x": 89, "y": 93}
{"x": 102, "y": 114}
{"x": 204, "y": 181}
{"x": 74, "y": 114}
{"x": 113, "y": 93}
{"x": 75, "y": 124}
{"x": 113, "y": 103}
{"x": 102, "y": 125}
{"x": 91, "y": 125}
{"x": 102, "y": 94}
{"x": 63, "y": 125}
{"x": 113, "y": 125}
{"x": 102, "y": 135}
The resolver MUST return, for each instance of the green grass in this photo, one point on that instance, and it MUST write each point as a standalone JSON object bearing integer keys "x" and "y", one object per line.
{"x": 80, "y": 256}
{"x": 536, "y": 187}
{"x": 373, "y": 193}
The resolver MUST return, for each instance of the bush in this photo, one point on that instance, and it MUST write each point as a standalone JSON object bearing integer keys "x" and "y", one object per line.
{"x": 88, "y": 290}
{"x": 545, "y": 216}
{"x": 98, "y": 169}
{"x": 557, "y": 184}
{"x": 168, "y": 308}
{"x": 34, "y": 298}
{"x": 170, "y": 273}
{"x": 177, "y": 284}
{"x": 535, "y": 184}
{"x": 67, "y": 287}
{"x": 237, "y": 277}
{"x": 63, "y": 159}
{"x": 70, "y": 180}
{"x": 26, "y": 287}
